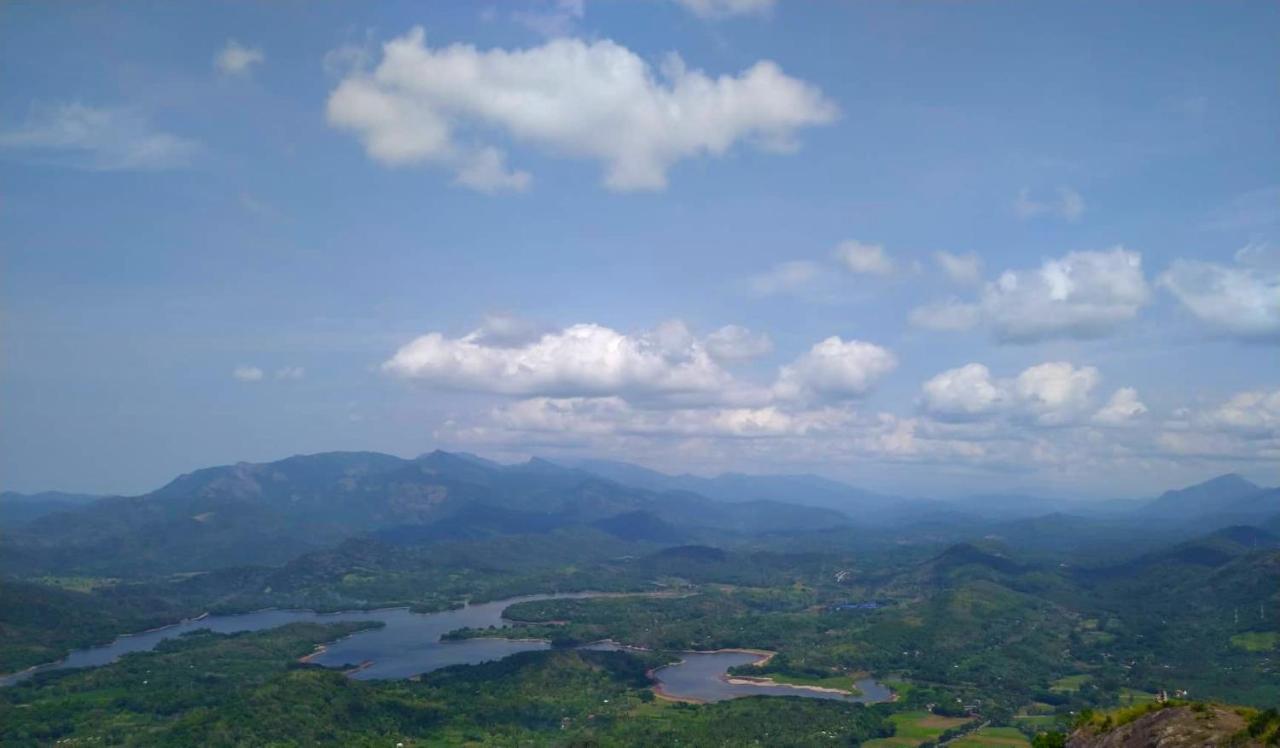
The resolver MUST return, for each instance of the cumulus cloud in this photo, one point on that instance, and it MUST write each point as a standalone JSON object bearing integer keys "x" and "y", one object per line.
{"x": 717, "y": 9}
{"x": 785, "y": 277}
{"x": 1079, "y": 295}
{"x": 952, "y": 315}
{"x": 1068, "y": 205}
{"x": 963, "y": 392}
{"x": 861, "y": 258}
{"x": 596, "y": 100}
{"x": 99, "y": 139}
{"x": 584, "y": 359}
{"x": 507, "y": 330}
{"x": 733, "y": 343}
{"x": 966, "y": 268}
{"x": 1123, "y": 407}
{"x": 237, "y": 59}
{"x": 245, "y": 373}
{"x": 1246, "y": 426}
{"x": 599, "y": 416}
{"x": 1051, "y": 393}
{"x": 834, "y": 369}
{"x": 1255, "y": 413}
{"x": 1241, "y": 299}
{"x": 291, "y": 372}
{"x": 1055, "y": 392}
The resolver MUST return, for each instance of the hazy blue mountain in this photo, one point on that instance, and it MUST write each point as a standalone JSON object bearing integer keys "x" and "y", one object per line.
{"x": 270, "y": 512}
{"x": 865, "y": 507}
{"x": 19, "y": 508}
{"x": 1211, "y": 496}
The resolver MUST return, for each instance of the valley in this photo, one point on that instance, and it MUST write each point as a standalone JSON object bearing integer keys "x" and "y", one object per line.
{"x": 424, "y": 580}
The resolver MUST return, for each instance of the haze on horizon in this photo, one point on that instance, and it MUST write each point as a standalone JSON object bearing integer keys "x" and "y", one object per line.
{"x": 851, "y": 240}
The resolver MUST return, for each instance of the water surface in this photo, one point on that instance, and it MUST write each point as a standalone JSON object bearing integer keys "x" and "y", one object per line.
{"x": 408, "y": 644}
{"x": 703, "y": 676}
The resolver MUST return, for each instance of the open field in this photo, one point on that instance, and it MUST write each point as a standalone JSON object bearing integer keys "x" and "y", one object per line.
{"x": 993, "y": 737}
{"x": 1070, "y": 684}
{"x": 914, "y": 728}
{"x": 1257, "y": 641}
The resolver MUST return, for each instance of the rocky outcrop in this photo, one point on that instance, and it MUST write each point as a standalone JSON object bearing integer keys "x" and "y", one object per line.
{"x": 1174, "y": 727}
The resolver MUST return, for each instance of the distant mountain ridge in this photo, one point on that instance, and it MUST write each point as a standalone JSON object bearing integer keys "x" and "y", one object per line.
{"x": 19, "y": 508}
{"x": 271, "y": 512}
{"x": 1227, "y": 495}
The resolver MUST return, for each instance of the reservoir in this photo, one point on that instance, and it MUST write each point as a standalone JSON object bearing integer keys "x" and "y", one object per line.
{"x": 409, "y": 644}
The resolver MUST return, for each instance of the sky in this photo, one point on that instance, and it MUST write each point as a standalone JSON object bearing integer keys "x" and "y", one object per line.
{"x": 927, "y": 248}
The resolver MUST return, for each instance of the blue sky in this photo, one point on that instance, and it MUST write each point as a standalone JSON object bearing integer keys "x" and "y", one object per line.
{"x": 930, "y": 248}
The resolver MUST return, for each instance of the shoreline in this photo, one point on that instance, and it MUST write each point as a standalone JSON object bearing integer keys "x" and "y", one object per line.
{"x": 767, "y": 682}
{"x": 27, "y": 672}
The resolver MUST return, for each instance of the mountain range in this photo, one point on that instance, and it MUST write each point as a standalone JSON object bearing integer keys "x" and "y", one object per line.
{"x": 268, "y": 513}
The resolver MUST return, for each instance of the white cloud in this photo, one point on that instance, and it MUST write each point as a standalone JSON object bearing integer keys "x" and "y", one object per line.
{"x": 834, "y": 369}
{"x": 595, "y": 100}
{"x": 715, "y": 9}
{"x": 963, "y": 392}
{"x": 966, "y": 268}
{"x": 1122, "y": 408}
{"x": 952, "y": 315}
{"x": 1055, "y": 392}
{"x": 1244, "y": 427}
{"x": 246, "y": 373}
{"x": 733, "y": 343}
{"x": 1051, "y": 393}
{"x": 583, "y": 359}
{"x": 1254, "y": 413}
{"x": 598, "y": 416}
{"x": 237, "y": 59}
{"x": 785, "y": 277}
{"x": 1241, "y": 300}
{"x": 862, "y": 258}
{"x": 291, "y": 372}
{"x": 1068, "y": 205}
{"x": 1079, "y": 295}
{"x": 99, "y": 139}
{"x": 485, "y": 170}
{"x": 507, "y": 330}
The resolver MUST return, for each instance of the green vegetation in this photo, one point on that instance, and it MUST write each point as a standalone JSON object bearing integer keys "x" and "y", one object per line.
{"x": 992, "y": 737}
{"x": 249, "y": 689}
{"x": 841, "y": 682}
{"x": 1257, "y": 641}
{"x": 982, "y": 645}
{"x": 914, "y": 728}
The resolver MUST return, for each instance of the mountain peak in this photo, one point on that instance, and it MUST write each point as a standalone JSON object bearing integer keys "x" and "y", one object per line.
{"x": 1211, "y": 496}
{"x": 1228, "y": 481}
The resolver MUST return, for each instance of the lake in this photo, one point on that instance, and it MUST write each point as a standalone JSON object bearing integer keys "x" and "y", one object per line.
{"x": 703, "y": 676}
{"x": 409, "y": 644}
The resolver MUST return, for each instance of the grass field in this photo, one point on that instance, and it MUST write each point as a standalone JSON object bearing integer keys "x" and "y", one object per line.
{"x": 1070, "y": 684}
{"x": 914, "y": 728}
{"x": 993, "y": 737}
{"x": 1256, "y": 641}
{"x": 1134, "y": 696}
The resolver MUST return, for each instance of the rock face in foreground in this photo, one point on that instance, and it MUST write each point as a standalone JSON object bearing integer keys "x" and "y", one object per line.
{"x": 1176, "y": 727}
